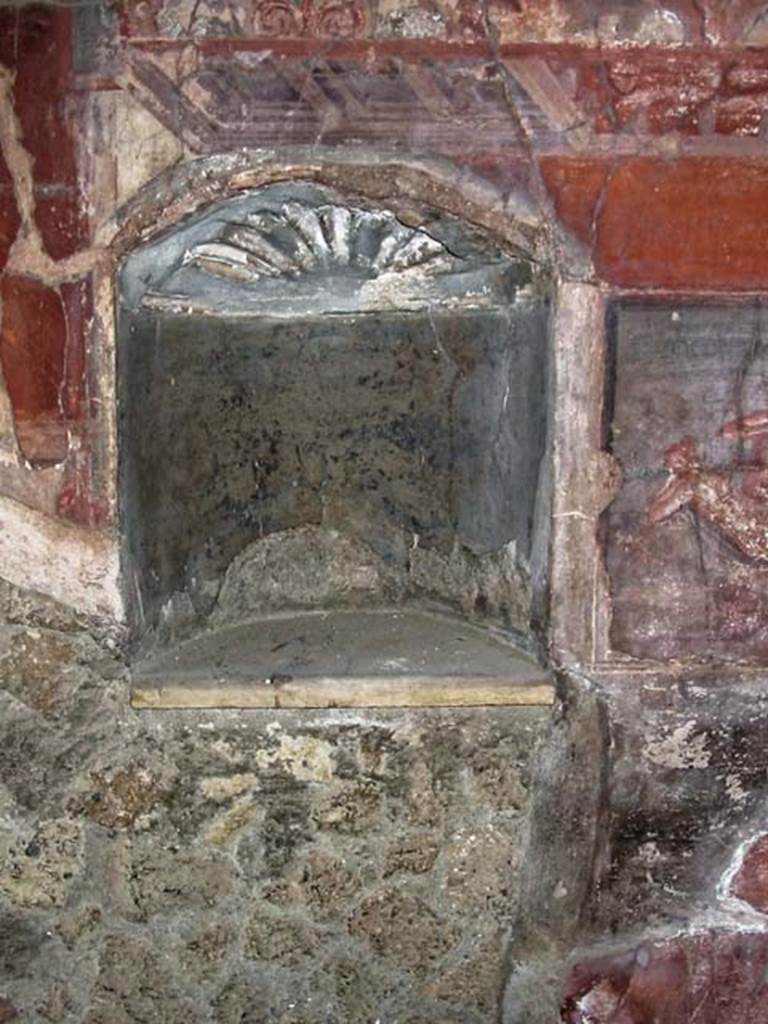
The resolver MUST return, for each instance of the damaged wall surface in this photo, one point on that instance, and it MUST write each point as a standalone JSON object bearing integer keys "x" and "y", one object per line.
{"x": 600, "y": 863}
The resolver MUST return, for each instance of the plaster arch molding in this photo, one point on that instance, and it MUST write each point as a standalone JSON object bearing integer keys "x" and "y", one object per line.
{"x": 408, "y": 187}
{"x": 81, "y": 566}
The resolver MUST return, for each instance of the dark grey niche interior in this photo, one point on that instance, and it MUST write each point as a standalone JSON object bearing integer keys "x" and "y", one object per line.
{"x": 324, "y": 409}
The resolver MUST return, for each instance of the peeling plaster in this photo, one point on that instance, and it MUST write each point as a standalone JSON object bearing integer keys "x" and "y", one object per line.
{"x": 682, "y": 748}
{"x": 734, "y": 788}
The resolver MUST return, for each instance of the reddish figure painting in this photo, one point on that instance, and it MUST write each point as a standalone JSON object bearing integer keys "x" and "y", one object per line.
{"x": 687, "y": 536}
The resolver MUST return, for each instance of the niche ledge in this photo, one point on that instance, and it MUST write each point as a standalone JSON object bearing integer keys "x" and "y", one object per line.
{"x": 401, "y": 657}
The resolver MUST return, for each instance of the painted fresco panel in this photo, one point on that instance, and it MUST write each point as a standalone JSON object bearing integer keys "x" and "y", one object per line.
{"x": 687, "y": 536}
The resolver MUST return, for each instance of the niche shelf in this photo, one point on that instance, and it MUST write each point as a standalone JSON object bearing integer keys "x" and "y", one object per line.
{"x": 402, "y": 657}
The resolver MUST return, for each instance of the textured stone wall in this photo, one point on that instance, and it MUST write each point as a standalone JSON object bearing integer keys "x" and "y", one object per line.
{"x": 238, "y": 866}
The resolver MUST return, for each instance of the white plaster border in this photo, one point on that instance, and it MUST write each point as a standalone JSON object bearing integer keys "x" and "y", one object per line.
{"x": 75, "y": 565}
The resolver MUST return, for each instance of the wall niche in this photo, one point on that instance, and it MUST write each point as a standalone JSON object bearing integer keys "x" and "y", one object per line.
{"x": 332, "y": 435}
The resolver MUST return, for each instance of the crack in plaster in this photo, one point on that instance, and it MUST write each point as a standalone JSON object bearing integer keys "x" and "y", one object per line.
{"x": 507, "y": 74}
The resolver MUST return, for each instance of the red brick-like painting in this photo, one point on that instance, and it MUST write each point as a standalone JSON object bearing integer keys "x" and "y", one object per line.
{"x": 687, "y": 536}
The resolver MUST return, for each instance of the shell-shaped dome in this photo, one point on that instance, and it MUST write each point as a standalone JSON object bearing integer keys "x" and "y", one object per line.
{"x": 300, "y": 239}
{"x": 293, "y": 249}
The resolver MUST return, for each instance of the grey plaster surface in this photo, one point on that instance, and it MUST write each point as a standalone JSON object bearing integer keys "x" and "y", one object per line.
{"x": 418, "y": 432}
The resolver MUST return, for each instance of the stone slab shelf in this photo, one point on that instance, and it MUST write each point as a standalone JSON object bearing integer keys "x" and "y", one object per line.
{"x": 343, "y": 659}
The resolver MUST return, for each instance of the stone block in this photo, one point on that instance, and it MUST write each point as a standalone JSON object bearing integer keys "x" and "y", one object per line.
{"x": 134, "y": 983}
{"x": 289, "y": 941}
{"x": 21, "y": 942}
{"x": 164, "y": 881}
{"x": 402, "y": 928}
{"x": 244, "y": 999}
{"x": 39, "y": 868}
{"x": 478, "y": 868}
{"x": 472, "y": 976}
{"x": 413, "y": 853}
{"x": 40, "y": 668}
{"x": 119, "y": 798}
{"x": 351, "y": 808}
{"x": 325, "y": 883}
{"x": 207, "y": 946}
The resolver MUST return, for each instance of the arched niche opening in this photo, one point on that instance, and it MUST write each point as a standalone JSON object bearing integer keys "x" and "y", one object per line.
{"x": 331, "y": 441}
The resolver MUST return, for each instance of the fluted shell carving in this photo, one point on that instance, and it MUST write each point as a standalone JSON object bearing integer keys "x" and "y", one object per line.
{"x": 304, "y": 240}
